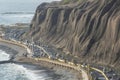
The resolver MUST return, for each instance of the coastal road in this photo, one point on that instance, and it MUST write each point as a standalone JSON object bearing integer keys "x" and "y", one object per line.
{"x": 12, "y": 49}
{"x": 84, "y": 75}
{"x": 81, "y": 70}
{"x": 18, "y": 44}
{"x": 100, "y": 71}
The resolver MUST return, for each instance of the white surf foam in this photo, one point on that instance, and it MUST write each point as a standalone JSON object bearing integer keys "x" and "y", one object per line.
{"x": 18, "y": 72}
{"x": 4, "y": 56}
{"x": 13, "y": 71}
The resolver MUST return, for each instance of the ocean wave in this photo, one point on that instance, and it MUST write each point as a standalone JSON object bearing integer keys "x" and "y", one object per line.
{"x": 13, "y": 71}
{"x": 4, "y": 56}
{"x": 21, "y": 16}
{"x": 17, "y": 13}
{"x": 15, "y": 18}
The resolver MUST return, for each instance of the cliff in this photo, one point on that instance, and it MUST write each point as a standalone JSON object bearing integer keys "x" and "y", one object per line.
{"x": 89, "y": 29}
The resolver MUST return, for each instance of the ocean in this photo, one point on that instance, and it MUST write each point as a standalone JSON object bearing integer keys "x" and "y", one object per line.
{"x": 13, "y": 71}
{"x": 12, "y": 12}
{"x": 18, "y": 11}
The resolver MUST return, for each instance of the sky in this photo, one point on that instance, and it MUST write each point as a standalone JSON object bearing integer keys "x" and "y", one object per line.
{"x": 20, "y": 5}
{"x": 27, "y": 0}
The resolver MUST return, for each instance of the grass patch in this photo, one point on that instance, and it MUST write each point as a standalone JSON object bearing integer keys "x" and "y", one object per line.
{"x": 71, "y": 1}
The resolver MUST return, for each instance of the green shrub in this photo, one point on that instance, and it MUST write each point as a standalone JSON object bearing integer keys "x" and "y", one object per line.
{"x": 66, "y": 1}
{"x": 70, "y": 1}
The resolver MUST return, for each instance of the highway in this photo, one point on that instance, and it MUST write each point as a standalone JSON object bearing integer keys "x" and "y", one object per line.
{"x": 18, "y": 44}
{"x": 85, "y": 74}
{"x": 81, "y": 71}
{"x": 100, "y": 71}
{"x": 91, "y": 68}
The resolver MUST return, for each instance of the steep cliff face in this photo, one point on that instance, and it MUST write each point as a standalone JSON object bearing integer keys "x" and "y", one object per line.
{"x": 90, "y": 30}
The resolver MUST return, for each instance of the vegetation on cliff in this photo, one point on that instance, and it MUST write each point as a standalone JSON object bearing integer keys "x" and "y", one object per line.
{"x": 69, "y": 1}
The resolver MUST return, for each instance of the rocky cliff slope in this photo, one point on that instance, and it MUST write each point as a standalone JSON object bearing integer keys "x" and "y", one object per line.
{"x": 88, "y": 29}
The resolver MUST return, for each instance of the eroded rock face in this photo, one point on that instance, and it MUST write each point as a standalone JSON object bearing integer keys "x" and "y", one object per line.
{"x": 90, "y": 30}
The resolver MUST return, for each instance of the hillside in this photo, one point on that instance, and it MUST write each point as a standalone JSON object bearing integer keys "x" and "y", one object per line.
{"x": 89, "y": 29}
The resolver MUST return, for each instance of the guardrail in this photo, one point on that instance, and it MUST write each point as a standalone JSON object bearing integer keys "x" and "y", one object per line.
{"x": 78, "y": 68}
{"x": 71, "y": 66}
{"x": 85, "y": 77}
{"x": 100, "y": 72}
{"x": 17, "y": 43}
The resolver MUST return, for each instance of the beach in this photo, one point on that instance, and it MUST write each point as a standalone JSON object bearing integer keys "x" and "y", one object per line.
{"x": 55, "y": 72}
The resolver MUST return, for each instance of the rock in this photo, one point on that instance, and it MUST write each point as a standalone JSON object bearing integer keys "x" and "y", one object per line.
{"x": 90, "y": 29}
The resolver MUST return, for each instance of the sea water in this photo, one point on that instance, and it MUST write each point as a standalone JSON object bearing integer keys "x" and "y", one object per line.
{"x": 12, "y": 12}
{"x": 8, "y": 19}
{"x": 18, "y": 11}
{"x": 4, "y": 56}
{"x": 13, "y": 71}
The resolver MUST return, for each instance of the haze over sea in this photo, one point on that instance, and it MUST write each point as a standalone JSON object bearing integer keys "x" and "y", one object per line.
{"x": 18, "y": 11}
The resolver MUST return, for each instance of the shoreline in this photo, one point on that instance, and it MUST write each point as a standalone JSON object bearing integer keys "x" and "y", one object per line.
{"x": 61, "y": 73}
{"x": 12, "y": 49}
{"x": 67, "y": 74}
